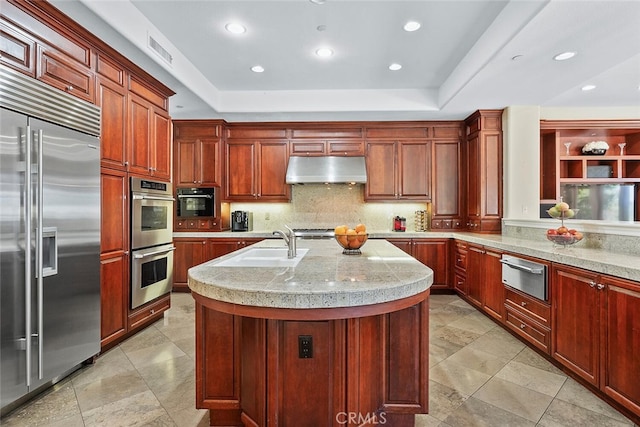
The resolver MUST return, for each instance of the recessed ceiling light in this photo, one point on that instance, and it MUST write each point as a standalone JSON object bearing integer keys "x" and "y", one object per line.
{"x": 395, "y": 67}
{"x": 516, "y": 57}
{"x": 588, "y": 87}
{"x": 235, "y": 28}
{"x": 179, "y": 106}
{"x": 564, "y": 56}
{"x": 317, "y": 1}
{"x": 411, "y": 26}
{"x": 257, "y": 69}
{"x": 324, "y": 52}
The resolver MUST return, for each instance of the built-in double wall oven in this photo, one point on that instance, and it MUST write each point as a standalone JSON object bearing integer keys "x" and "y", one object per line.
{"x": 152, "y": 205}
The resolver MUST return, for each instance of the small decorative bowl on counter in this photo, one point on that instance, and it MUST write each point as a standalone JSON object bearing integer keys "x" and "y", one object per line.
{"x": 351, "y": 243}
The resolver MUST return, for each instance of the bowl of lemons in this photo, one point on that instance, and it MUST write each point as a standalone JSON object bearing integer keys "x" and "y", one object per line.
{"x": 351, "y": 239}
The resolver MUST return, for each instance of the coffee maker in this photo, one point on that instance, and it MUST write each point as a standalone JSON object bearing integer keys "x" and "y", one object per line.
{"x": 241, "y": 221}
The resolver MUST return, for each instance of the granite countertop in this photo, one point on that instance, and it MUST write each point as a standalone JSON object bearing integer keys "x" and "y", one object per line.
{"x": 626, "y": 266}
{"x": 324, "y": 278}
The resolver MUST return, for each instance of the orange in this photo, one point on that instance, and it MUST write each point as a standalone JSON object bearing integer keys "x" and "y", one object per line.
{"x": 362, "y": 236}
{"x": 360, "y": 228}
{"x": 341, "y": 229}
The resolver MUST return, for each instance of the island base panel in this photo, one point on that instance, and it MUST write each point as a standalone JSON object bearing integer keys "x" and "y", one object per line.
{"x": 249, "y": 371}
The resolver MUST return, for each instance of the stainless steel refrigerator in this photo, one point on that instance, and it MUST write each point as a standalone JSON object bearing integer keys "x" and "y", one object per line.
{"x": 49, "y": 236}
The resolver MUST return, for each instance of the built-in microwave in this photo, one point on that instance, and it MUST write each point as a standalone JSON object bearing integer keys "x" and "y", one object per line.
{"x": 196, "y": 202}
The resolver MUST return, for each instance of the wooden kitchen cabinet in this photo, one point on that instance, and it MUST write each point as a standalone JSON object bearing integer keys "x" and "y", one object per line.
{"x": 484, "y": 171}
{"x": 150, "y": 143}
{"x": 446, "y": 200}
{"x": 223, "y": 246}
{"x": 256, "y": 170}
{"x": 61, "y": 71}
{"x": 483, "y": 277}
{"x": 434, "y": 253}
{"x": 576, "y": 333}
{"x": 114, "y": 255}
{"x": 398, "y": 170}
{"x": 460, "y": 251}
{"x": 114, "y": 298}
{"x": 620, "y": 361}
{"x": 595, "y": 334}
{"x": 529, "y": 318}
{"x": 189, "y": 252}
{"x": 197, "y": 155}
{"x": 112, "y": 99}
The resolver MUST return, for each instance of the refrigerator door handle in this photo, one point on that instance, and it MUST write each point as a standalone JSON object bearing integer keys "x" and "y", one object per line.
{"x": 28, "y": 219}
{"x": 39, "y": 253}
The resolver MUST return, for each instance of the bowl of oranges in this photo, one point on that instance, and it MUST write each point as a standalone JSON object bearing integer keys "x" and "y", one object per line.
{"x": 351, "y": 239}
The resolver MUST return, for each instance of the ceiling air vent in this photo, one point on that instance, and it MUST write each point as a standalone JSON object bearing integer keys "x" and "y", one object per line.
{"x": 157, "y": 48}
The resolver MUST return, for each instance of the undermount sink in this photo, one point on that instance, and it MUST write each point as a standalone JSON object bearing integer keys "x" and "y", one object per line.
{"x": 264, "y": 257}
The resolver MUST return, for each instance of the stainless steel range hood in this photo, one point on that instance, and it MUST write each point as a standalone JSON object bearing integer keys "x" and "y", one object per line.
{"x": 326, "y": 169}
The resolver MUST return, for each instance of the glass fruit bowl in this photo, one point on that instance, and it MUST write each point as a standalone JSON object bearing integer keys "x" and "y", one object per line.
{"x": 351, "y": 243}
{"x": 564, "y": 239}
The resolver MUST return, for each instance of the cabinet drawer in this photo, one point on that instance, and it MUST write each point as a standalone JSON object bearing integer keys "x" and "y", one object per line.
{"x": 308, "y": 148}
{"x": 530, "y": 330}
{"x": 461, "y": 259}
{"x": 529, "y": 306}
{"x": 149, "y": 313}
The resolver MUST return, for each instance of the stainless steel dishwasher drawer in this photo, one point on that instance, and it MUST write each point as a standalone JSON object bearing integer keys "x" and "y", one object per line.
{"x": 527, "y": 276}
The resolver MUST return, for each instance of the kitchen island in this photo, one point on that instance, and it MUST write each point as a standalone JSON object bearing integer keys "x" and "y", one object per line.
{"x": 336, "y": 340}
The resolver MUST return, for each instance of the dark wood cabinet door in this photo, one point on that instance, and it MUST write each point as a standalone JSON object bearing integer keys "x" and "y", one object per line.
{"x": 621, "y": 341}
{"x": 17, "y": 48}
{"x": 160, "y": 166}
{"x": 446, "y": 180}
{"x": 184, "y": 159}
{"x": 241, "y": 167}
{"x": 61, "y": 71}
{"x": 208, "y": 162}
{"x": 112, "y": 99}
{"x": 381, "y": 171}
{"x": 575, "y": 320}
{"x": 494, "y": 296}
{"x": 272, "y": 170}
{"x": 220, "y": 247}
{"x": 404, "y": 244}
{"x": 114, "y": 236}
{"x": 414, "y": 170}
{"x": 139, "y": 135}
{"x": 114, "y": 297}
{"x": 475, "y": 268}
{"x": 473, "y": 178}
{"x": 188, "y": 253}
{"x": 434, "y": 253}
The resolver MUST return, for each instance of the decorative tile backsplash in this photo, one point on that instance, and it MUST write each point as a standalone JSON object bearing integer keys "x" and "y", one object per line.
{"x": 326, "y": 206}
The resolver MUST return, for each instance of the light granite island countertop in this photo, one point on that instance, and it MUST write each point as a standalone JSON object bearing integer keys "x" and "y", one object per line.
{"x": 324, "y": 278}
{"x": 333, "y": 336}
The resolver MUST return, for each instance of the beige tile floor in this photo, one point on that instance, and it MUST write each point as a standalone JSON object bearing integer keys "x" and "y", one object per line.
{"x": 480, "y": 376}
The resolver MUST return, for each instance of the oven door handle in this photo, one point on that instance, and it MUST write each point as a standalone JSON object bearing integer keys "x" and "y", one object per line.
{"x": 195, "y": 196}
{"x": 523, "y": 268}
{"x": 145, "y": 197}
{"x": 162, "y": 251}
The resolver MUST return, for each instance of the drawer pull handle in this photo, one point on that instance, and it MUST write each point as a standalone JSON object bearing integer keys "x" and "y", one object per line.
{"x": 523, "y": 303}
{"x": 522, "y": 326}
{"x": 592, "y": 284}
{"x": 600, "y": 286}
